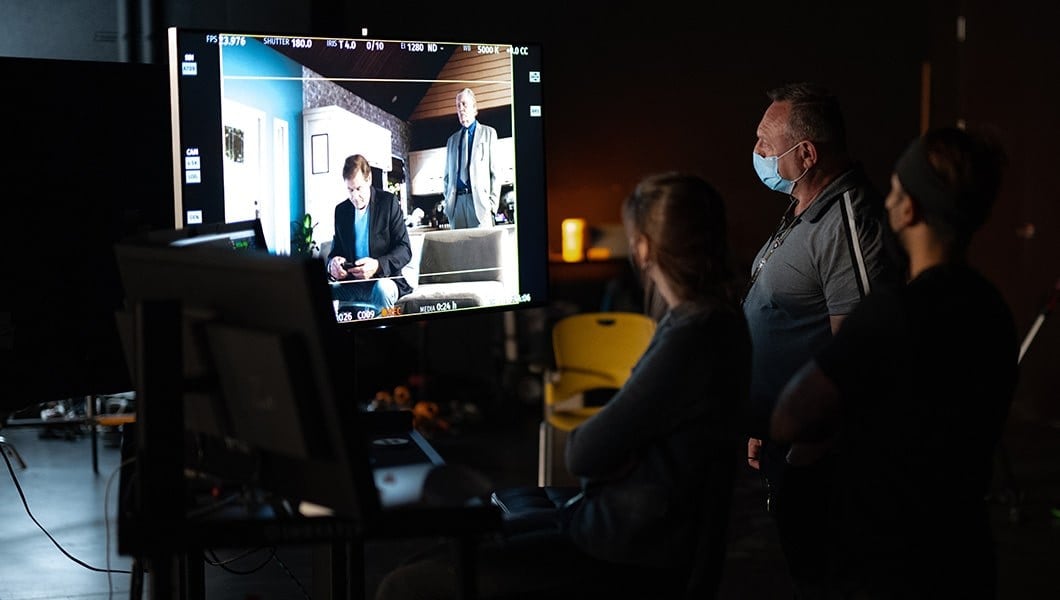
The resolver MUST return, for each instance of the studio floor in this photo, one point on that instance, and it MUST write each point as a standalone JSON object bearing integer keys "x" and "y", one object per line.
{"x": 61, "y": 542}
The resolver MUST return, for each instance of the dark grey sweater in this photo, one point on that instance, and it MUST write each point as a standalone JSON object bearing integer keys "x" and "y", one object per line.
{"x": 659, "y": 457}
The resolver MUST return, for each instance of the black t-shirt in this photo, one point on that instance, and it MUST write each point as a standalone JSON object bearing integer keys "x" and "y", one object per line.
{"x": 927, "y": 372}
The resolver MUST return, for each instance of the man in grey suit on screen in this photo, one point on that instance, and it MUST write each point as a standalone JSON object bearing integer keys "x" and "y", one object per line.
{"x": 471, "y": 187}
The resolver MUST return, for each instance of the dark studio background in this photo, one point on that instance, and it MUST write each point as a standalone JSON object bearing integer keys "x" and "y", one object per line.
{"x": 628, "y": 92}
{"x": 632, "y": 93}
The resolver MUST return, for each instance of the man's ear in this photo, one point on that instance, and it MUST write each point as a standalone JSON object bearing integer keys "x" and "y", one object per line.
{"x": 642, "y": 250}
{"x": 808, "y": 154}
{"x": 909, "y": 211}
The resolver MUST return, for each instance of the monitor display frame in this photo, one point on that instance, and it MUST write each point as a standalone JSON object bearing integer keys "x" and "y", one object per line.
{"x": 261, "y": 124}
{"x": 234, "y": 235}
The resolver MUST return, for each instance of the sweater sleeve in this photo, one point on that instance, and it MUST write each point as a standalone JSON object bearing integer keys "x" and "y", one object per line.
{"x": 666, "y": 386}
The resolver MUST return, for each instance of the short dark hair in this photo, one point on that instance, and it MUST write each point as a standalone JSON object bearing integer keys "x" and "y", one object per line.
{"x": 355, "y": 163}
{"x": 815, "y": 114}
{"x": 970, "y": 164}
{"x": 684, "y": 218}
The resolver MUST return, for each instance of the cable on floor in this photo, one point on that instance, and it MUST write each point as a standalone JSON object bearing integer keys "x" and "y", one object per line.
{"x": 25, "y": 504}
{"x": 211, "y": 558}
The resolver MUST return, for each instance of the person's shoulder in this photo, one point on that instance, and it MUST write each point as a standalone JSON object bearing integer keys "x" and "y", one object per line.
{"x": 853, "y": 179}
{"x": 381, "y": 195}
{"x": 856, "y": 181}
{"x": 696, "y": 319}
{"x": 962, "y": 281}
{"x": 852, "y": 191}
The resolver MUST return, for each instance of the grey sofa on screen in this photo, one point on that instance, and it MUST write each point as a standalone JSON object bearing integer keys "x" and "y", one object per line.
{"x": 460, "y": 268}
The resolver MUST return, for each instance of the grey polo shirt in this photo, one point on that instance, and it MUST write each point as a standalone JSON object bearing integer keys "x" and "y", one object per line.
{"x": 818, "y": 270}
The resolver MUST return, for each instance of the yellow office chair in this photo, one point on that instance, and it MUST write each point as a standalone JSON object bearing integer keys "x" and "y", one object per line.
{"x": 594, "y": 354}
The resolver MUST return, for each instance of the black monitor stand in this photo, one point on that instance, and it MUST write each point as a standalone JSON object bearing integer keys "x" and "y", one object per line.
{"x": 166, "y": 536}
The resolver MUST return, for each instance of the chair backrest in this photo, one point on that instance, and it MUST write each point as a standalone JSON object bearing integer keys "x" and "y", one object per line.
{"x": 608, "y": 343}
{"x": 455, "y": 255}
{"x": 596, "y": 350}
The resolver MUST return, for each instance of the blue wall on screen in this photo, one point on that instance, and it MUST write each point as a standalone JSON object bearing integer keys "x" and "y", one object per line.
{"x": 280, "y": 98}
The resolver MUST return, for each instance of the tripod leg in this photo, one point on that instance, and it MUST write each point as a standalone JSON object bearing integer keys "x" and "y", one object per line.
{"x": 136, "y": 583}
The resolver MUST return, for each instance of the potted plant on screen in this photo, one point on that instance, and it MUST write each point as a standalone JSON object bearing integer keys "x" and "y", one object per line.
{"x": 302, "y": 243}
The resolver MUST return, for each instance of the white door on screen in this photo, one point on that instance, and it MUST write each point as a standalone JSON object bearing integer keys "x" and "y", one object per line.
{"x": 276, "y": 209}
{"x": 243, "y": 168}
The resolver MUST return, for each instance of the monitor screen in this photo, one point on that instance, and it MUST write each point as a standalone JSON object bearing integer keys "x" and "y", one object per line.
{"x": 353, "y": 150}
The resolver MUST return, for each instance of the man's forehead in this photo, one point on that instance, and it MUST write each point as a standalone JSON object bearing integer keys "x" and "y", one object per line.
{"x": 775, "y": 119}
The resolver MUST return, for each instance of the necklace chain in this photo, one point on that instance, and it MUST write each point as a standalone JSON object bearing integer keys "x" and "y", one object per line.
{"x": 778, "y": 237}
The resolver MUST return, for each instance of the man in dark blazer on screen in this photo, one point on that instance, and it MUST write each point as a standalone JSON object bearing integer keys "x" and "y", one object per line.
{"x": 371, "y": 244}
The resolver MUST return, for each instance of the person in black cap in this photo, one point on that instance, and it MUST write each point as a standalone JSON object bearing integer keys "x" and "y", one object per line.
{"x": 915, "y": 390}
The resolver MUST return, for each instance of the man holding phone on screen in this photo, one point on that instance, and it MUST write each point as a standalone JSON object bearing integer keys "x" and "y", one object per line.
{"x": 371, "y": 242}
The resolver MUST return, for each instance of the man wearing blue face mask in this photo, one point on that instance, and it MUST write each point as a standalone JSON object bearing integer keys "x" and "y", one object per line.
{"x": 826, "y": 254}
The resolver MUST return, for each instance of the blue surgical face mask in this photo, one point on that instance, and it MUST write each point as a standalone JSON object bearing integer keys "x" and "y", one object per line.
{"x": 769, "y": 171}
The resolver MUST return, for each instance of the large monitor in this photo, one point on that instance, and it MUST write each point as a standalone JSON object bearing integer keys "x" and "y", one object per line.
{"x": 262, "y": 125}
